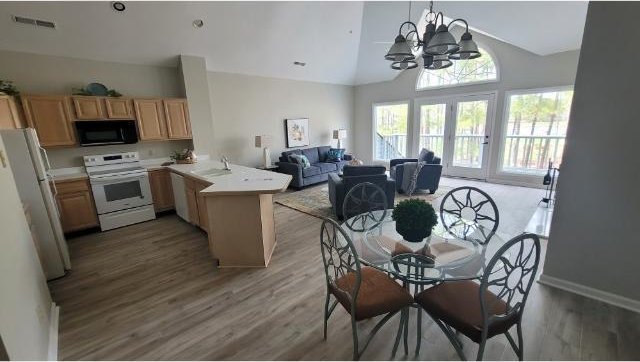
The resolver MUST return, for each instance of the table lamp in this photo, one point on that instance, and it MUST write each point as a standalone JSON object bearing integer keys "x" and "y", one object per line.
{"x": 264, "y": 142}
{"x": 339, "y": 134}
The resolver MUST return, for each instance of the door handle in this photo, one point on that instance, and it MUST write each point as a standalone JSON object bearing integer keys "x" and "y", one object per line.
{"x": 485, "y": 143}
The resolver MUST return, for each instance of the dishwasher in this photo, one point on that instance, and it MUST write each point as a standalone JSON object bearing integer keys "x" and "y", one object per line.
{"x": 180, "y": 196}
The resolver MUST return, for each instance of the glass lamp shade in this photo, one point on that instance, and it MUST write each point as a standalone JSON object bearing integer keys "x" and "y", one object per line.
{"x": 400, "y": 50}
{"x": 442, "y": 42}
{"x": 468, "y": 49}
{"x": 405, "y": 64}
{"x": 440, "y": 62}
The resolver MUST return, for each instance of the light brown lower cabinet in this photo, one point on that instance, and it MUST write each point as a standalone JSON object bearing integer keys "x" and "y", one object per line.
{"x": 202, "y": 206}
{"x": 161, "y": 190}
{"x": 196, "y": 203}
{"x": 76, "y": 205}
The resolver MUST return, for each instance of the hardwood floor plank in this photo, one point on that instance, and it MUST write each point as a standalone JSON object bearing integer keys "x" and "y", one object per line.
{"x": 151, "y": 291}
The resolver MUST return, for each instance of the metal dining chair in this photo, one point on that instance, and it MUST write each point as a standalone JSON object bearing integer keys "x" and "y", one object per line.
{"x": 364, "y": 292}
{"x": 413, "y": 267}
{"x": 364, "y": 207}
{"x": 481, "y": 311}
{"x": 463, "y": 208}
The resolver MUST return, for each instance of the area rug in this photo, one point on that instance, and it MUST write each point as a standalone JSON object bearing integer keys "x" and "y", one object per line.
{"x": 315, "y": 200}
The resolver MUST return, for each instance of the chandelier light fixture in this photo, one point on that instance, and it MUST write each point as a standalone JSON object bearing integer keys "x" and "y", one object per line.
{"x": 438, "y": 46}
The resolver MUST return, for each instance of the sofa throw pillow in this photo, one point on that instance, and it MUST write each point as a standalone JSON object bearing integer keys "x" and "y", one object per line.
{"x": 426, "y": 156}
{"x": 301, "y": 160}
{"x": 335, "y": 154}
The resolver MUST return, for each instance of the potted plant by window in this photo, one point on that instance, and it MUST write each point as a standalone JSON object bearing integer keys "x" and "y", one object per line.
{"x": 414, "y": 219}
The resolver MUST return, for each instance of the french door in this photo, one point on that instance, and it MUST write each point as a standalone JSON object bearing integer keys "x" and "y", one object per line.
{"x": 457, "y": 129}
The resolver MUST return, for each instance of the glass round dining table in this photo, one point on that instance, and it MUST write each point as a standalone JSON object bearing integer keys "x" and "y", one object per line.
{"x": 456, "y": 250}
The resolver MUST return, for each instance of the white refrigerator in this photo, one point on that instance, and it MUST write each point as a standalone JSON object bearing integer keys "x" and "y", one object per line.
{"x": 30, "y": 167}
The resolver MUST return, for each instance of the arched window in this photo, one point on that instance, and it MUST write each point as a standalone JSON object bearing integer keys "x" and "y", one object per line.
{"x": 477, "y": 70}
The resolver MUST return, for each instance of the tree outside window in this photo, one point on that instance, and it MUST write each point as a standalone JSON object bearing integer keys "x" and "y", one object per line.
{"x": 536, "y": 129}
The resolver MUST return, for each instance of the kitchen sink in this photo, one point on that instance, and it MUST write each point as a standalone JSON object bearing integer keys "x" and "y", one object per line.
{"x": 211, "y": 172}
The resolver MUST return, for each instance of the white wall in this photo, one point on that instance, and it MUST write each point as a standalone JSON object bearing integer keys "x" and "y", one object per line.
{"x": 193, "y": 73}
{"x": 25, "y": 303}
{"x": 245, "y": 106}
{"x": 594, "y": 240}
{"x": 72, "y": 156}
{"x": 518, "y": 69}
{"x": 44, "y": 74}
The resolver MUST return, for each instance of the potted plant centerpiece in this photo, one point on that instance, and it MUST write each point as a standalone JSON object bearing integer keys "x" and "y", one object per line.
{"x": 414, "y": 219}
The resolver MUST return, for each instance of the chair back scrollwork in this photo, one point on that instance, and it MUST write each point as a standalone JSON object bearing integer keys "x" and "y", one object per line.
{"x": 465, "y": 208}
{"x": 339, "y": 257}
{"x": 365, "y": 207}
{"x": 509, "y": 275}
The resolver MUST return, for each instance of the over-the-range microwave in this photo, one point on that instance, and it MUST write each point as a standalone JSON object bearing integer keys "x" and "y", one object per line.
{"x": 98, "y": 133}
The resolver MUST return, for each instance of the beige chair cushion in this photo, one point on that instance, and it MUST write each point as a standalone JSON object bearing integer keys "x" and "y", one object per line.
{"x": 378, "y": 294}
{"x": 458, "y": 305}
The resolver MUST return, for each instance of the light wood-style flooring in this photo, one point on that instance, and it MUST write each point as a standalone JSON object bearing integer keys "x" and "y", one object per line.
{"x": 151, "y": 291}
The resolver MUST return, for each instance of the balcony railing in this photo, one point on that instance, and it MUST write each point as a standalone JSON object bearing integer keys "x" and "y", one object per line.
{"x": 390, "y": 147}
{"x": 530, "y": 154}
{"x": 433, "y": 142}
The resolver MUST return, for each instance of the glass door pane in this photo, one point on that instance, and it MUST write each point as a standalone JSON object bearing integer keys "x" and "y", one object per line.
{"x": 432, "y": 122}
{"x": 390, "y": 133}
{"x": 470, "y": 132}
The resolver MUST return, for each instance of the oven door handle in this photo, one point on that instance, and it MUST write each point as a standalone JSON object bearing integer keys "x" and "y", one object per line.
{"x": 121, "y": 178}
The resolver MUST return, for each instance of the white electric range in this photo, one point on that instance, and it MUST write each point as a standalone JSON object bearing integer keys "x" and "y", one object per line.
{"x": 120, "y": 188}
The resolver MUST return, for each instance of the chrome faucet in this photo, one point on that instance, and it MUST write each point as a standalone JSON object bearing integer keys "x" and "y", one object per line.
{"x": 225, "y": 160}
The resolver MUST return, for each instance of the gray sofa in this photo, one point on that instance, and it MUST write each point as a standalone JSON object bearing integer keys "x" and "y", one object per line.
{"x": 353, "y": 175}
{"x": 319, "y": 170}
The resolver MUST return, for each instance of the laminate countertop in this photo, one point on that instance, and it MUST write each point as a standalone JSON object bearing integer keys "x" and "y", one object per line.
{"x": 240, "y": 181}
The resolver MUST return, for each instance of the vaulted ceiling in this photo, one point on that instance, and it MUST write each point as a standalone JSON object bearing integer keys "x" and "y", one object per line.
{"x": 340, "y": 42}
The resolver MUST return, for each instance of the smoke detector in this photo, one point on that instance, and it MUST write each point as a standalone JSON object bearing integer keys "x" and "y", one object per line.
{"x": 34, "y": 22}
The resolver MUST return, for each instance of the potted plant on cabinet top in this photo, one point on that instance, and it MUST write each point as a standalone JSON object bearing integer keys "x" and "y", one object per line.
{"x": 414, "y": 219}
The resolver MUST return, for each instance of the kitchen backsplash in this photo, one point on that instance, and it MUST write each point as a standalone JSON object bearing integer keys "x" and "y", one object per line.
{"x": 72, "y": 157}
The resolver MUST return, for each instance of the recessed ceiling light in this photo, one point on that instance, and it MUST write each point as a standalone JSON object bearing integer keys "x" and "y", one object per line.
{"x": 198, "y": 23}
{"x": 118, "y": 6}
{"x": 302, "y": 64}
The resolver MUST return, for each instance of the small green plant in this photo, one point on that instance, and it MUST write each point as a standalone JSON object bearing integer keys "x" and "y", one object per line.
{"x": 179, "y": 155}
{"x": 7, "y": 87}
{"x": 415, "y": 218}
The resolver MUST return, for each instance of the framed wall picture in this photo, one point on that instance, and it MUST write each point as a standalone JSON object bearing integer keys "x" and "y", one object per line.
{"x": 297, "y": 132}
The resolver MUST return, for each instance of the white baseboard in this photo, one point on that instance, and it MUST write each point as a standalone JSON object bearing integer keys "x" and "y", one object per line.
{"x": 606, "y": 297}
{"x": 53, "y": 333}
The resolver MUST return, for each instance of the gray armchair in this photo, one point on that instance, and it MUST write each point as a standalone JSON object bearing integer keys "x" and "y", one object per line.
{"x": 353, "y": 175}
{"x": 429, "y": 177}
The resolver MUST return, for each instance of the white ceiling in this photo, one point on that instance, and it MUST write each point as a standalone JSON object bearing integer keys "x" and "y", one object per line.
{"x": 337, "y": 40}
{"x": 258, "y": 38}
{"x": 540, "y": 27}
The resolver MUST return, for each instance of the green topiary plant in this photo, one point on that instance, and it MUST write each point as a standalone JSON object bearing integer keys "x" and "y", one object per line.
{"x": 7, "y": 87}
{"x": 415, "y": 218}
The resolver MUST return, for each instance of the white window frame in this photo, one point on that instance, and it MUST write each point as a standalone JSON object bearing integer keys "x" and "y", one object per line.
{"x": 531, "y": 177}
{"x": 408, "y": 103}
{"x": 488, "y": 81}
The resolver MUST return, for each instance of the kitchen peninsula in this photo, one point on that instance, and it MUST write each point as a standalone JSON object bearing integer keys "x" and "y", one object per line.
{"x": 239, "y": 210}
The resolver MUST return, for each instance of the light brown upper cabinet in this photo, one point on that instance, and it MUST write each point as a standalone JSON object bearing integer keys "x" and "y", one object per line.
{"x": 10, "y": 117}
{"x": 51, "y": 117}
{"x": 177, "y": 115}
{"x": 88, "y": 107}
{"x": 119, "y": 108}
{"x": 151, "y": 120}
